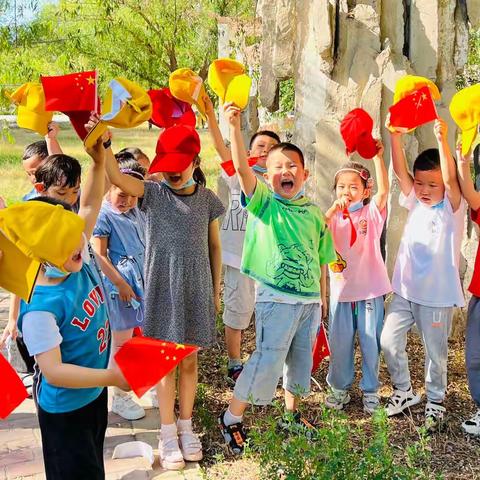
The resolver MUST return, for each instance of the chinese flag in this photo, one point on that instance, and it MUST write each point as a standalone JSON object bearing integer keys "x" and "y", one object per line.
{"x": 321, "y": 348}
{"x": 413, "y": 110}
{"x": 72, "y": 92}
{"x": 145, "y": 361}
{"x": 13, "y": 392}
{"x": 229, "y": 167}
{"x": 78, "y": 119}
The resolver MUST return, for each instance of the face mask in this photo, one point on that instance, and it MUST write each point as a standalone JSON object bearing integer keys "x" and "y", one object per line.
{"x": 187, "y": 184}
{"x": 355, "y": 206}
{"x": 300, "y": 194}
{"x": 54, "y": 272}
{"x": 259, "y": 169}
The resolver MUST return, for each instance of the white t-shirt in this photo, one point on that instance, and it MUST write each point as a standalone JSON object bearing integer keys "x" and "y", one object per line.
{"x": 232, "y": 232}
{"x": 426, "y": 270}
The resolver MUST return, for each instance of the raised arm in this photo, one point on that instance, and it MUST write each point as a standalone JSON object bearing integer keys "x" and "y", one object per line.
{"x": 214, "y": 130}
{"x": 380, "y": 198}
{"x": 215, "y": 255}
{"x": 53, "y": 146}
{"x": 447, "y": 164}
{"x": 247, "y": 178}
{"x": 465, "y": 179}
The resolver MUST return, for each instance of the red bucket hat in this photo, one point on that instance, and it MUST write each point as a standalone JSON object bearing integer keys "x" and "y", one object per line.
{"x": 356, "y": 130}
{"x": 168, "y": 110}
{"x": 177, "y": 147}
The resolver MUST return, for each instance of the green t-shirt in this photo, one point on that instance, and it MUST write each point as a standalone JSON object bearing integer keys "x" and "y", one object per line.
{"x": 285, "y": 244}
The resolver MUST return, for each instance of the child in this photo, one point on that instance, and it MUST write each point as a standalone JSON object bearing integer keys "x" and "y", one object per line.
{"x": 119, "y": 238}
{"x": 286, "y": 243}
{"x": 472, "y": 334}
{"x": 138, "y": 155}
{"x": 358, "y": 280}
{"x": 182, "y": 274}
{"x": 239, "y": 289}
{"x": 66, "y": 327}
{"x": 426, "y": 282}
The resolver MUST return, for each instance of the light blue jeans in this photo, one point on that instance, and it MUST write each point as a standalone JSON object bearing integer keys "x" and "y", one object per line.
{"x": 346, "y": 320}
{"x": 285, "y": 335}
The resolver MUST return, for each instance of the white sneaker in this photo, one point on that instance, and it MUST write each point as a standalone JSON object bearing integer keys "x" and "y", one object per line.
{"x": 190, "y": 446}
{"x": 371, "y": 402}
{"x": 337, "y": 399}
{"x": 127, "y": 408}
{"x": 401, "y": 400}
{"x": 153, "y": 397}
{"x": 171, "y": 457}
{"x": 472, "y": 425}
{"x": 434, "y": 414}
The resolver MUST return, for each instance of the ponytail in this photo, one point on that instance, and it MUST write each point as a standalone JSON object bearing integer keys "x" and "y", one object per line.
{"x": 198, "y": 174}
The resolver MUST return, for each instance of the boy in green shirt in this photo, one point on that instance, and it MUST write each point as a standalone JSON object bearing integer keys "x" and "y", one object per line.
{"x": 287, "y": 245}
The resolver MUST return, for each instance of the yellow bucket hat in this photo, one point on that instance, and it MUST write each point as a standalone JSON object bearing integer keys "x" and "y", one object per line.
{"x": 410, "y": 83}
{"x": 187, "y": 86}
{"x": 465, "y": 111}
{"x": 126, "y": 105}
{"x": 228, "y": 80}
{"x": 31, "y": 233}
{"x": 31, "y": 113}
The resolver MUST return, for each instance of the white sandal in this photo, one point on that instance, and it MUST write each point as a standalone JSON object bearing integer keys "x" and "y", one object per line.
{"x": 190, "y": 446}
{"x": 171, "y": 457}
{"x": 434, "y": 414}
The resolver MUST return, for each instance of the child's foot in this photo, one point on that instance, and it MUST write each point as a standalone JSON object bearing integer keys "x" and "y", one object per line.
{"x": 189, "y": 443}
{"x": 472, "y": 425}
{"x": 337, "y": 399}
{"x": 371, "y": 402}
{"x": 127, "y": 408}
{"x": 401, "y": 400}
{"x": 169, "y": 453}
{"x": 233, "y": 374}
{"x": 434, "y": 413}
{"x": 234, "y": 435}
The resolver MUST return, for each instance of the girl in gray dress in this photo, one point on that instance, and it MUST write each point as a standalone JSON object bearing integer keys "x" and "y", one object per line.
{"x": 182, "y": 274}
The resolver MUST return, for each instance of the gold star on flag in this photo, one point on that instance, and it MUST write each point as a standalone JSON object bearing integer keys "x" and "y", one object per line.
{"x": 180, "y": 347}
{"x": 90, "y": 80}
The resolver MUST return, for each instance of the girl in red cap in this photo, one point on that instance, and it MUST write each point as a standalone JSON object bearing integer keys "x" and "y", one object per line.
{"x": 182, "y": 274}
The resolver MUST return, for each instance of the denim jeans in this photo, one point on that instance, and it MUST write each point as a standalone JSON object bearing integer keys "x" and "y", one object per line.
{"x": 285, "y": 334}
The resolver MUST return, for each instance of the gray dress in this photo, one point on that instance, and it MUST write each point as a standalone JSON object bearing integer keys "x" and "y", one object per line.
{"x": 179, "y": 303}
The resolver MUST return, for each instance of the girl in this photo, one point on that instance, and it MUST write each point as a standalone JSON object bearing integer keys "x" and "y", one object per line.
{"x": 66, "y": 327}
{"x": 358, "y": 280}
{"x": 182, "y": 274}
{"x": 119, "y": 239}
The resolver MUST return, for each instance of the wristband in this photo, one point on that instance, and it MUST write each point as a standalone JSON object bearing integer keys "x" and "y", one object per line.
{"x": 107, "y": 144}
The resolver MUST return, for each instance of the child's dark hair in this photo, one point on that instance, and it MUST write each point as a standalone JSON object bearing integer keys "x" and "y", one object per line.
{"x": 121, "y": 155}
{"x": 198, "y": 174}
{"x": 427, "y": 160}
{"x": 36, "y": 148}
{"x": 136, "y": 152}
{"x": 131, "y": 167}
{"x": 288, "y": 147}
{"x": 52, "y": 201}
{"x": 267, "y": 133}
{"x": 363, "y": 173}
{"x": 61, "y": 170}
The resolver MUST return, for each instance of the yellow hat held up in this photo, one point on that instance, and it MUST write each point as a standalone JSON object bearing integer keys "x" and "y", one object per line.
{"x": 228, "y": 80}
{"x": 187, "y": 86}
{"x": 126, "y": 105}
{"x": 31, "y": 233}
{"x": 31, "y": 113}
{"x": 465, "y": 111}
{"x": 409, "y": 84}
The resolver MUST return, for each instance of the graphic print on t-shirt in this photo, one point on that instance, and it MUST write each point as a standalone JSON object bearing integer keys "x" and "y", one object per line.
{"x": 236, "y": 218}
{"x": 339, "y": 265}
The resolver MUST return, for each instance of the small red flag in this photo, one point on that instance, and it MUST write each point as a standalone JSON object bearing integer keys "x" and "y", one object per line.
{"x": 145, "y": 361}
{"x": 321, "y": 349}
{"x": 13, "y": 392}
{"x": 413, "y": 110}
{"x": 72, "y": 92}
{"x": 229, "y": 167}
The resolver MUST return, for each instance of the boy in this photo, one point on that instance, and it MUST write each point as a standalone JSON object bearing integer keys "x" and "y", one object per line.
{"x": 239, "y": 289}
{"x": 287, "y": 246}
{"x": 426, "y": 282}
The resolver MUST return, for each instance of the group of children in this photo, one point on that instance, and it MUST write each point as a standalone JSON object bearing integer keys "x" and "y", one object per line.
{"x": 155, "y": 262}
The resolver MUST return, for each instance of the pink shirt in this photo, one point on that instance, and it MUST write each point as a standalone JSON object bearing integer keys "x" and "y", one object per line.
{"x": 359, "y": 272}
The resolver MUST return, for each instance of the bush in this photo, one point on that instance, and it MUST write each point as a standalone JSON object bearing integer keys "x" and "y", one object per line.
{"x": 335, "y": 450}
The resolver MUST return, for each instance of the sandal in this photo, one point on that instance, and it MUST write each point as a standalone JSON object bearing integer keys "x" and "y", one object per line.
{"x": 434, "y": 413}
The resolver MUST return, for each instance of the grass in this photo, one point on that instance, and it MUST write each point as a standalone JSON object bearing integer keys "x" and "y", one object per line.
{"x": 14, "y": 183}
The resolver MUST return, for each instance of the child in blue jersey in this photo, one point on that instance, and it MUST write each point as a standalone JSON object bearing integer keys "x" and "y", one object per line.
{"x": 66, "y": 328}
{"x": 119, "y": 239}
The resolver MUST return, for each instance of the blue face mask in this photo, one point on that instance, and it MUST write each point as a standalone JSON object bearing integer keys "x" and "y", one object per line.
{"x": 54, "y": 272}
{"x": 259, "y": 169}
{"x": 355, "y": 206}
{"x": 300, "y": 194}
{"x": 187, "y": 184}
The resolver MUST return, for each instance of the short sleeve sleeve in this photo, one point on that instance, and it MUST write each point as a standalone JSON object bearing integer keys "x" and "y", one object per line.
{"x": 326, "y": 247}
{"x": 259, "y": 199}
{"x": 376, "y": 217}
{"x": 151, "y": 190}
{"x": 40, "y": 332}
{"x": 408, "y": 201}
{"x": 216, "y": 207}
{"x": 103, "y": 228}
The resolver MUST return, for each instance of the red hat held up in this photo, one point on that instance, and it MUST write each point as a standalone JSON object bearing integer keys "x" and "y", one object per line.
{"x": 356, "y": 129}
